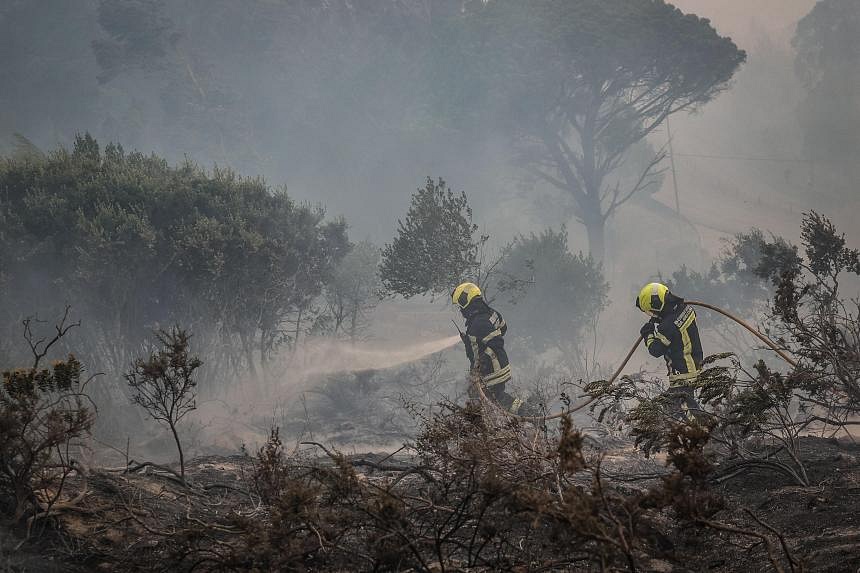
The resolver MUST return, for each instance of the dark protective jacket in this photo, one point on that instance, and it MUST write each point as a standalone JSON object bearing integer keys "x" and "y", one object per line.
{"x": 485, "y": 343}
{"x": 674, "y": 335}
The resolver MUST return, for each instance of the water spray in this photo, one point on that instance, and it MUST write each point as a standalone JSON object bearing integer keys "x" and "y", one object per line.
{"x": 330, "y": 357}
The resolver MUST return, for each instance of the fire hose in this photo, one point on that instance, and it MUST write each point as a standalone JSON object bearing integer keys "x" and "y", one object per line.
{"x": 624, "y": 362}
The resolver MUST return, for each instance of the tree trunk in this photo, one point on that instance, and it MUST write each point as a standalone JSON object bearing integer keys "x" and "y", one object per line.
{"x": 298, "y": 330}
{"x": 592, "y": 181}
{"x": 353, "y": 320}
{"x": 178, "y": 447}
{"x": 249, "y": 355}
{"x": 596, "y": 229}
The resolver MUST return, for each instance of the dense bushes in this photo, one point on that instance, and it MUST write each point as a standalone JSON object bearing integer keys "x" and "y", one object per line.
{"x": 137, "y": 244}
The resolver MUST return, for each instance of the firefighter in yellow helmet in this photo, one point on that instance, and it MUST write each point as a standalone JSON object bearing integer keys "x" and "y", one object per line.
{"x": 485, "y": 344}
{"x": 672, "y": 333}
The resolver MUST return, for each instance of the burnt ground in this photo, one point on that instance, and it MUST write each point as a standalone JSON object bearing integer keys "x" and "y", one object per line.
{"x": 129, "y": 520}
{"x": 821, "y": 522}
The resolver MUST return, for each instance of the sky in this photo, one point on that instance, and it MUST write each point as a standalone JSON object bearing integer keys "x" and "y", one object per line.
{"x": 746, "y": 20}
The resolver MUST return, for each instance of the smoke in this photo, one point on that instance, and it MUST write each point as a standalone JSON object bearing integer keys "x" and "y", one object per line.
{"x": 304, "y": 117}
{"x": 242, "y": 418}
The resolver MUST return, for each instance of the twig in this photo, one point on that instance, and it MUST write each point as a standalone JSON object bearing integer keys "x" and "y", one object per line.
{"x": 792, "y": 561}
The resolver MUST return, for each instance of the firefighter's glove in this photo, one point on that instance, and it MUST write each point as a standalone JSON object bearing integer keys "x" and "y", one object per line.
{"x": 648, "y": 331}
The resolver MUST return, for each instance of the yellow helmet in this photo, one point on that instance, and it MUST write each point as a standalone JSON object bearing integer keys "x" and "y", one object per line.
{"x": 652, "y": 297}
{"x": 464, "y": 294}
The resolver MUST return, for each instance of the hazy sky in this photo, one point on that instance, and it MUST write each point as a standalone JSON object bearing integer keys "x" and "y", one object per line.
{"x": 745, "y": 20}
{"x": 756, "y": 117}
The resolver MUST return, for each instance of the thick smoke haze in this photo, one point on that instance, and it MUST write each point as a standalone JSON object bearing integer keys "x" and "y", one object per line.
{"x": 330, "y": 101}
{"x": 429, "y": 285}
{"x": 348, "y": 155}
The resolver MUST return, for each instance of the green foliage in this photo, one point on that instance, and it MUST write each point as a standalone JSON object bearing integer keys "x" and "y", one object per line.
{"x": 553, "y": 294}
{"x": 825, "y": 248}
{"x": 435, "y": 247}
{"x": 716, "y": 381}
{"x": 163, "y": 384}
{"x": 816, "y": 277}
{"x": 158, "y": 75}
{"x": 752, "y": 418}
{"x": 135, "y": 243}
{"x": 646, "y": 407}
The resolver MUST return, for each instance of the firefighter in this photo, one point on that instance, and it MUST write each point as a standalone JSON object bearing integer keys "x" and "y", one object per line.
{"x": 485, "y": 344}
{"x": 673, "y": 334}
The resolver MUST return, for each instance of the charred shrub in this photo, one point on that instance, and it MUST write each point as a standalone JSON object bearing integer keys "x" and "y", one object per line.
{"x": 765, "y": 410}
{"x": 687, "y": 489}
{"x": 815, "y": 319}
{"x": 44, "y": 412}
{"x": 305, "y": 510}
{"x": 164, "y": 383}
{"x": 481, "y": 492}
{"x": 270, "y": 474}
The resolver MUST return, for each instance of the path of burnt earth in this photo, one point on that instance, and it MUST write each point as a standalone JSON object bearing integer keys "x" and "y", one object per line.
{"x": 137, "y": 520}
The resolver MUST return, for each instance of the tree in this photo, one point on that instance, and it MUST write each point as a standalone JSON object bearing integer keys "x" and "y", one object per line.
{"x": 553, "y": 293}
{"x": 435, "y": 247}
{"x": 577, "y": 83}
{"x": 353, "y": 290}
{"x": 827, "y": 51}
{"x": 164, "y": 383}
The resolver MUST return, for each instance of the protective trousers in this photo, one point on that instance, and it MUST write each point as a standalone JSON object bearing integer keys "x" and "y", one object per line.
{"x": 683, "y": 404}
{"x": 497, "y": 393}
